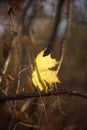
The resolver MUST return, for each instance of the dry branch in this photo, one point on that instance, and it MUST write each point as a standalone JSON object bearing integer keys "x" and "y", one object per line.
{"x": 56, "y": 24}
{"x": 22, "y": 96}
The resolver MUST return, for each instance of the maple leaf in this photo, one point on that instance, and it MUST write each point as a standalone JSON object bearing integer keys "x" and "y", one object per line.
{"x": 42, "y": 73}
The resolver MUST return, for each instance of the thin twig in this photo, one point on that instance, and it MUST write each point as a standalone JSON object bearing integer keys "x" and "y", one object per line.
{"x": 5, "y": 67}
{"x": 22, "y": 96}
{"x": 29, "y": 125}
{"x": 44, "y": 108}
{"x": 25, "y": 105}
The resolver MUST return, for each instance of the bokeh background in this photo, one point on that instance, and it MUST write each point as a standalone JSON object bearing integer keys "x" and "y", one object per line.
{"x": 53, "y": 113}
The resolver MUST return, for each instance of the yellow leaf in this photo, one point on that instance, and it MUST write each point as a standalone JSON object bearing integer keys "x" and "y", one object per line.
{"x": 42, "y": 73}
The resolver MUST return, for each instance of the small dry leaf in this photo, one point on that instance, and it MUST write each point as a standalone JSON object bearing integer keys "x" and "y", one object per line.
{"x": 19, "y": 115}
{"x": 42, "y": 73}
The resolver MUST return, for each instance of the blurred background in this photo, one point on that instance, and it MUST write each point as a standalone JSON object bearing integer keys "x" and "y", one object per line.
{"x": 25, "y": 29}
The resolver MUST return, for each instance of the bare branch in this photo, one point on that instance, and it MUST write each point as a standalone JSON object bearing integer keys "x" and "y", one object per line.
{"x": 57, "y": 21}
{"x": 5, "y": 67}
{"x": 22, "y": 96}
{"x": 68, "y": 14}
{"x": 29, "y": 125}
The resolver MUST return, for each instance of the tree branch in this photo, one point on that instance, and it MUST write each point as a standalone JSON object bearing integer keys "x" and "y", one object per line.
{"x": 57, "y": 21}
{"x": 22, "y": 96}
